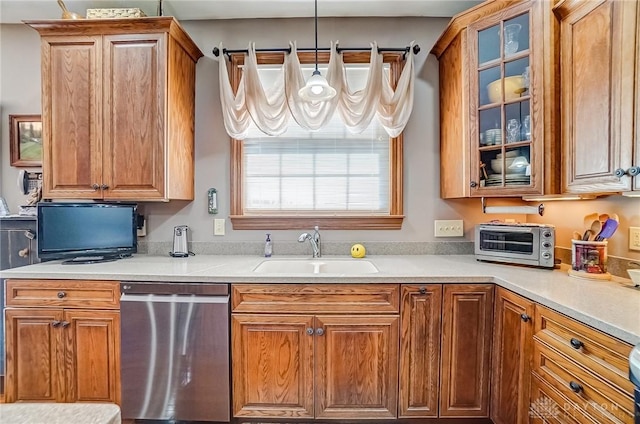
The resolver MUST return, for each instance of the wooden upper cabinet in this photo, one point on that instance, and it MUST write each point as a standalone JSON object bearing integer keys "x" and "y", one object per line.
{"x": 497, "y": 104}
{"x": 510, "y": 368}
{"x": 118, "y": 109}
{"x": 598, "y": 57}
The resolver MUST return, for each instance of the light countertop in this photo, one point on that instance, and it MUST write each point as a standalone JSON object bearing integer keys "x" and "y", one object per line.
{"x": 610, "y": 306}
{"x": 59, "y": 413}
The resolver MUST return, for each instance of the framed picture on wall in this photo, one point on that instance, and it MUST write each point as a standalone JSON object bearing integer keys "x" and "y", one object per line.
{"x": 25, "y": 137}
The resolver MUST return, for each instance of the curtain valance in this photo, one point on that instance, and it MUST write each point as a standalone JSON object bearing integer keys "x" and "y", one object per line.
{"x": 271, "y": 108}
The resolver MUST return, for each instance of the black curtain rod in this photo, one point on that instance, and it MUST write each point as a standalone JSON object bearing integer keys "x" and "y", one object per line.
{"x": 228, "y": 52}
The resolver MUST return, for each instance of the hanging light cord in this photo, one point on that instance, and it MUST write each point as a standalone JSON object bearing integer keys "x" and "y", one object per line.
{"x": 316, "y": 21}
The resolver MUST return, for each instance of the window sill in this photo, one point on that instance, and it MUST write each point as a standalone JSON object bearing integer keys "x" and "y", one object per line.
{"x": 389, "y": 222}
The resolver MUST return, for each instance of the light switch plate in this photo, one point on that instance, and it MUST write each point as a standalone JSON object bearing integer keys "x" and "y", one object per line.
{"x": 448, "y": 228}
{"x": 218, "y": 227}
{"x": 634, "y": 238}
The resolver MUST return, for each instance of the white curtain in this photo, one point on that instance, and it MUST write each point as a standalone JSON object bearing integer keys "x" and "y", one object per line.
{"x": 271, "y": 109}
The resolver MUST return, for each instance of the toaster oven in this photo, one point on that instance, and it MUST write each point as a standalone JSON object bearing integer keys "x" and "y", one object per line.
{"x": 523, "y": 244}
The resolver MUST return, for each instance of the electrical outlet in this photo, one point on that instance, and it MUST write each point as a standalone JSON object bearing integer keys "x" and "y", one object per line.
{"x": 448, "y": 228}
{"x": 218, "y": 227}
{"x": 634, "y": 238}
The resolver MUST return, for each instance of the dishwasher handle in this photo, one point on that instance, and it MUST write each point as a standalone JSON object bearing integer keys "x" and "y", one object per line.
{"x": 162, "y": 298}
{"x": 169, "y": 288}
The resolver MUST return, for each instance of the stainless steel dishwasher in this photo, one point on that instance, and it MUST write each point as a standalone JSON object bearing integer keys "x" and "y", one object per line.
{"x": 175, "y": 351}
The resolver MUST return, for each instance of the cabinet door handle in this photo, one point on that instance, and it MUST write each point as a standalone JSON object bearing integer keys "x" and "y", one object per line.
{"x": 576, "y": 344}
{"x": 619, "y": 172}
{"x": 23, "y": 253}
{"x": 634, "y": 171}
{"x": 319, "y": 331}
{"x": 473, "y": 184}
{"x": 423, "y": 290}
{"x": 65, "y": 324}
{"x": 310, "y": 331}
{"x": 95, "y": 187}
{"x": 525, "y": 317}
{"x": 61, "y": 294}
{"x": 575, "y": 387}
{"x": 56, "y": 323}
{"x": 104, "y": 186}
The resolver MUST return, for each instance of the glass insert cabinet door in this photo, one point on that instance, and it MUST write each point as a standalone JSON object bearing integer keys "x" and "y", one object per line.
{"x": 501, "y": 98}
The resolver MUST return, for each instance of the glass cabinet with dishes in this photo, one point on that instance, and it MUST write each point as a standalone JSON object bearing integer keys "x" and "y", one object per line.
{"x": 500, "y": 68}
{"x": 502, "y": 104}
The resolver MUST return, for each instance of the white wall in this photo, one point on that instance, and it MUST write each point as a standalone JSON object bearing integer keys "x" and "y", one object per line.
{"x": 20, "y": 93}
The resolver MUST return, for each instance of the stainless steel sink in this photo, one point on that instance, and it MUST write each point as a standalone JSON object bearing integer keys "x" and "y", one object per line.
{"x": 316, "y": 266}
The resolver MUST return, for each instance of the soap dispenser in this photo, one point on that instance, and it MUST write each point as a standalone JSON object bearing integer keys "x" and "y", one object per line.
{"x": 268, "y": 247}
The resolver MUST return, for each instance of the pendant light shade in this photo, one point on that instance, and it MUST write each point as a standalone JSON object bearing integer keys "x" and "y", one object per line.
{"x": 317, "y": 88}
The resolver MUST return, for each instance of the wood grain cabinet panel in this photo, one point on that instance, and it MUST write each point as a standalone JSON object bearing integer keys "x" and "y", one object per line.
{"x": 597, "y": 53}
{"x": 467, "y": 316}
{"x": 272, "y": 365}
{"x": 61, "y": 353}
{"x": 118, "y": 109}
{"x": 420, "y": 322}
{"x": 321, "y": 364}
{"x": 510, "y": 365}
{"x": 34, "y": 356}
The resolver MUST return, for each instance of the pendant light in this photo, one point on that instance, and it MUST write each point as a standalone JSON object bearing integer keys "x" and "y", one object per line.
{"x": 317, "y": 88}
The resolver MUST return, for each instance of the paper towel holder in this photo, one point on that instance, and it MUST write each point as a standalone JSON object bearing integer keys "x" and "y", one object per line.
{"x": 528, "y": 210}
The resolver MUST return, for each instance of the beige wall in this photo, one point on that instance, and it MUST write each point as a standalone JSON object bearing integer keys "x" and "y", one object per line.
{"x": 20, "y": 85}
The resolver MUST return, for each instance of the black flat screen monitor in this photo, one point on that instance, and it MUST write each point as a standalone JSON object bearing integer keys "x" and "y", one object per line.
{"x": 86, "y": 232}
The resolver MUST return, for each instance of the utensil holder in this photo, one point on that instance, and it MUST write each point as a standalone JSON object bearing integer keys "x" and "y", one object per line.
{"x": 589, "y": 259}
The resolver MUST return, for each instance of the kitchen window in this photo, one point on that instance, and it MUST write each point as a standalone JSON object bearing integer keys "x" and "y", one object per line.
{"x": 329, "y": 177}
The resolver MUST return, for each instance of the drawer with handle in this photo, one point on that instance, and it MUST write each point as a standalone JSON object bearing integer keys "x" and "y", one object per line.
{"x": 602, "y": 401}
{"x": 550, "y": 406}
{"x": 598, "y": 352}
{"x": 63, "y": 293}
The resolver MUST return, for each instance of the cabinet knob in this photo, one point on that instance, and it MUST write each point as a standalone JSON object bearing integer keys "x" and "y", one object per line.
{"x": 577, "y": 388}
{"x": 310, "y": 331}
{"x": 95, "y": 187}
{"x": 65, "y": 324}
{"x": 24, "y": 252}
{"x": 619, "y": 172}
{"x": 104, "y": 186}
{"x": 319, "y": 331}
{"x": 56, "y": 323}
{"x": 61, "y": 294}
{"x": 473, "y": 184}
{"x": 634, "y": 171}
{"x": 576, "y": 344}
{"x": 423, "y": 290}
{"x": 525, "y": 317}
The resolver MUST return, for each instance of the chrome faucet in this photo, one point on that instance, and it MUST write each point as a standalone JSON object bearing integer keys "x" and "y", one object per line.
{"x": 314, "y": 239}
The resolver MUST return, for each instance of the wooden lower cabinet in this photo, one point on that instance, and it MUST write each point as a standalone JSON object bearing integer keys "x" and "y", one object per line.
{"x": 420, "y": 322}
{"x": 588, "y": 368}
{"x": 61, "y": 354}
{"x": 467, "y": 315}
{"x": 325, "y": 365}
{"x": 510, "y": 367}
